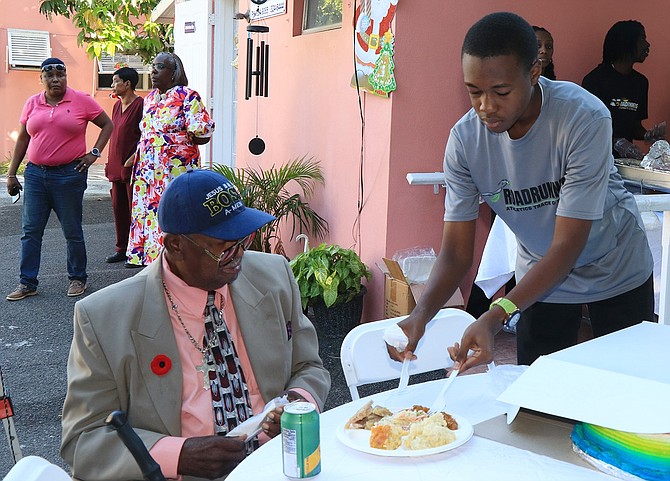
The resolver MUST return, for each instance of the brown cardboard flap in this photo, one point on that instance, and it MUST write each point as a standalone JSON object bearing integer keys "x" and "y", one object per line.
{"x": 394, "y": 269}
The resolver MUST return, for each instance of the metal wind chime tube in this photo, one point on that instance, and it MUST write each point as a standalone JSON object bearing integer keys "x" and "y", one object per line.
{"x": 261, "y": 71}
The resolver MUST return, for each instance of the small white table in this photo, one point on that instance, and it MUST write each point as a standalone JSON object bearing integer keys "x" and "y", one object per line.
{"x": 545, "y": 453}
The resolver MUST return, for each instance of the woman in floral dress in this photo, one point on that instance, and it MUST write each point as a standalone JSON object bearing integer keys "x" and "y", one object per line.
{"x": 174, "y": 122}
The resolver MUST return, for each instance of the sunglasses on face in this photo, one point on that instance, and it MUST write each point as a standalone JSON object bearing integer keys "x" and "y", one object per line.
{"x": 54, "y": 66}
{"x": 226, "y": 256}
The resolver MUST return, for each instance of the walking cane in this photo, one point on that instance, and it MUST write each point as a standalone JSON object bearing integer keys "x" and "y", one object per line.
{"x": 150, "y": 468}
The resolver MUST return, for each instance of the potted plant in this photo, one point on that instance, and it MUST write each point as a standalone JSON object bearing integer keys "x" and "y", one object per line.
{"x": 330, "y": 281}
{"x": 268, "y": 190}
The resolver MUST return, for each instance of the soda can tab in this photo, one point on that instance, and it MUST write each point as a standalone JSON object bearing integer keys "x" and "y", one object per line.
{"x": 300, "y": 440}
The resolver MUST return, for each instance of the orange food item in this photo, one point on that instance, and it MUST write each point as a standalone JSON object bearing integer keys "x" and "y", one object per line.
{"x": 385, "y": 436}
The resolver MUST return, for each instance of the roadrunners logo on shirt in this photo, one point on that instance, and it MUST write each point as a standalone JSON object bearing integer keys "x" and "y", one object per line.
{"x": 624, "y": 104}
{"x": 495, "y": 195}
{"x": 547, "y": 193}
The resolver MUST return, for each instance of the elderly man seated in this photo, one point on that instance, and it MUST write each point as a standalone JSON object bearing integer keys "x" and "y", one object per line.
{"x": 190, "y": 347}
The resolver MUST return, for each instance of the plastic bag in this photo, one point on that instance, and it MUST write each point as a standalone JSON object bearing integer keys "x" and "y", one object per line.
{"x": 416, "y": 263}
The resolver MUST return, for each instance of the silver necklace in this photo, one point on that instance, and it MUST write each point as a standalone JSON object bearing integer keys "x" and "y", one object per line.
{"x": 205, "y": 367}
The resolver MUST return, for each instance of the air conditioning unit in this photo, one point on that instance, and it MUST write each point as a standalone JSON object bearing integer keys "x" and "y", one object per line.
{"x": 28, "y": 48}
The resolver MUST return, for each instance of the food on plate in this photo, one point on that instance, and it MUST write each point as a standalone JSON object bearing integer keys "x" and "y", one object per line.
{"x": 412, "y": 428}
{"x": 367, "y": 416}
{"x": 430, "y": 432}
{"x": 385, "y": 436}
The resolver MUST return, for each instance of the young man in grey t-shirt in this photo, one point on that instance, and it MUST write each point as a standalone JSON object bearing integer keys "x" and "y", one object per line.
{"x": 538, "y": 152}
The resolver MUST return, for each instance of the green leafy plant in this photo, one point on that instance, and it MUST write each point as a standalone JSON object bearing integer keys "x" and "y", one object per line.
{"x": 268, "y": 190}
{"x": 112, "y": 26}
{"x": 328, "y": 273}
{"x": 4, "y": 165}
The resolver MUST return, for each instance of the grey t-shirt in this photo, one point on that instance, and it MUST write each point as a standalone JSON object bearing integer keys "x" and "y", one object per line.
{"x": 562, "y": 166}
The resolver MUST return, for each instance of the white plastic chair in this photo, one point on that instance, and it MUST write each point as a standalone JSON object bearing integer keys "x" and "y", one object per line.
{"x": 365, "y": 359}
{"x": 34, "y": 468}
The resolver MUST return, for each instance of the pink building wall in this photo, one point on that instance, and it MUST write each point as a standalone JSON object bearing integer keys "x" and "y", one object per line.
{"x": 17, "y": 85}
{"x": 312, "y": 110}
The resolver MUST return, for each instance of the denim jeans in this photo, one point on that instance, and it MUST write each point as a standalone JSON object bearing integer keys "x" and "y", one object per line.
{"x": 61, "y": 189}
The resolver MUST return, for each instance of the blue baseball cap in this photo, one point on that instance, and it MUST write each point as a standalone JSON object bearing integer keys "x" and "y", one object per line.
{"x": 205, "y": 202}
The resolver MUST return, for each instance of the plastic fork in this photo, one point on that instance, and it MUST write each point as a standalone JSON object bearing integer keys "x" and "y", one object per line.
{"x": 440, "y": 400}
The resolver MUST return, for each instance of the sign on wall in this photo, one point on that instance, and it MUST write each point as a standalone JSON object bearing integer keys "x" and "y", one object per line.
{"x": 268, "y": 9}
{"x": 373, "y": 47}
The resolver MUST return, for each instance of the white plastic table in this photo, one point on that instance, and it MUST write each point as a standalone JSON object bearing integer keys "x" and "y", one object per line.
{"x": 481, "y": 458}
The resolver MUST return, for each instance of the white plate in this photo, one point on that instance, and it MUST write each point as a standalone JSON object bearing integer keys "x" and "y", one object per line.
{"x": 359, "y": 439}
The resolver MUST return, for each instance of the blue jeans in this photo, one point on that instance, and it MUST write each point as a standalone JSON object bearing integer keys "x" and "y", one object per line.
{"x": 61, "y": 189}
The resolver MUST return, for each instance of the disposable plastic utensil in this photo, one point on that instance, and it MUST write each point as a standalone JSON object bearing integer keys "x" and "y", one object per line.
{"x": 396, "y": 396}
{"x": 404, "y": 375}
{"x": 440, "y": 400}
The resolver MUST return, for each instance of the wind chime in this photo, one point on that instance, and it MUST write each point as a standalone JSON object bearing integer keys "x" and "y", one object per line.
{"x": 260, "y": 71}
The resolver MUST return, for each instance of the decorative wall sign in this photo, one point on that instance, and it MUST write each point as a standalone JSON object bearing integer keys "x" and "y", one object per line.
{"x": 263, "y": 9}
{"x": 374, "y": 45}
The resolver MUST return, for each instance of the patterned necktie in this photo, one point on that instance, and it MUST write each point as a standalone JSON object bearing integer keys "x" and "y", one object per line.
{"x": 230, "y": 396}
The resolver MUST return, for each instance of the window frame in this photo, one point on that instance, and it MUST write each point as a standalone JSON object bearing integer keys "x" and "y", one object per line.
{"x": 134, "y": 61}
{"x": 306, "y": 30}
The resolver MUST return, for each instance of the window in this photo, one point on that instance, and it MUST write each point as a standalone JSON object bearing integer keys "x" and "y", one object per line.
{"x": 107, "y": 65}
{"x": 322, "y": 15}
{"x": 28, "y": 48}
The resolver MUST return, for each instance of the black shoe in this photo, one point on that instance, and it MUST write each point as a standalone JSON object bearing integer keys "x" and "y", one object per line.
{"x": 128, "y": 265}
{"x": 118, "y": 257}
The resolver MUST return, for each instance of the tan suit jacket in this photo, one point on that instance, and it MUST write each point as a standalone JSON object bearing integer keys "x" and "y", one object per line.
{"x": 119, "y": 330}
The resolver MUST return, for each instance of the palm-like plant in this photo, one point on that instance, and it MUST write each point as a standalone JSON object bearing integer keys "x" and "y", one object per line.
{"x": 267, "y": 190}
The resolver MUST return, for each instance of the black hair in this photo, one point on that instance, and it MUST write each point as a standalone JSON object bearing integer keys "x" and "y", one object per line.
{"x": 502, "y": 33}
{"x": 128, "y": 74}
{"x": 621, "y": 40}
{"x": 179, "y": 75}
{"x": 549, "y": 69}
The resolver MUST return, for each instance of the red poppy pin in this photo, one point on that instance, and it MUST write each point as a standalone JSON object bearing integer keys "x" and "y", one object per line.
{"x": 161, "y": 365}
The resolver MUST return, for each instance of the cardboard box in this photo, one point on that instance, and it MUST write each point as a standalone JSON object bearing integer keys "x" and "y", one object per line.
{"x": 400, "y": 297}
{"x": 598, "y": 380}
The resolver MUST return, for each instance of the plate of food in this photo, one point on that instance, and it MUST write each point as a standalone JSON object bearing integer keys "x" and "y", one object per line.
{"x": 404, "y": 432}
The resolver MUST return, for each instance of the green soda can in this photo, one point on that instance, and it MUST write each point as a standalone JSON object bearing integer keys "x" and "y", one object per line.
{"x": 300, "y": 440}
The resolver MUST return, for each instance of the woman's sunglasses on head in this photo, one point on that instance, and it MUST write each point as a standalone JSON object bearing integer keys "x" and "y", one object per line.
{"x": 54, "y": 66}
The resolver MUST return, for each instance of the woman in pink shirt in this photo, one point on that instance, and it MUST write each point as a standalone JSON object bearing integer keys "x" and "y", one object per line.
{"x": 52, "y": 136}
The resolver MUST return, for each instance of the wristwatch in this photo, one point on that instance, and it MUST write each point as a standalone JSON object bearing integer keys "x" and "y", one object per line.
{"x": 95, "y": 152}
{"x": 512, "y": 313}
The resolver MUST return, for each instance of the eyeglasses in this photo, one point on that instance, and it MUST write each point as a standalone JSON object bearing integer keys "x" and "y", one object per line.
{"x": 54, "y": 66}
{"x": 15, "y": 198}
{"x": 226, "y": 256}
{"x": 161, "y": 66}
